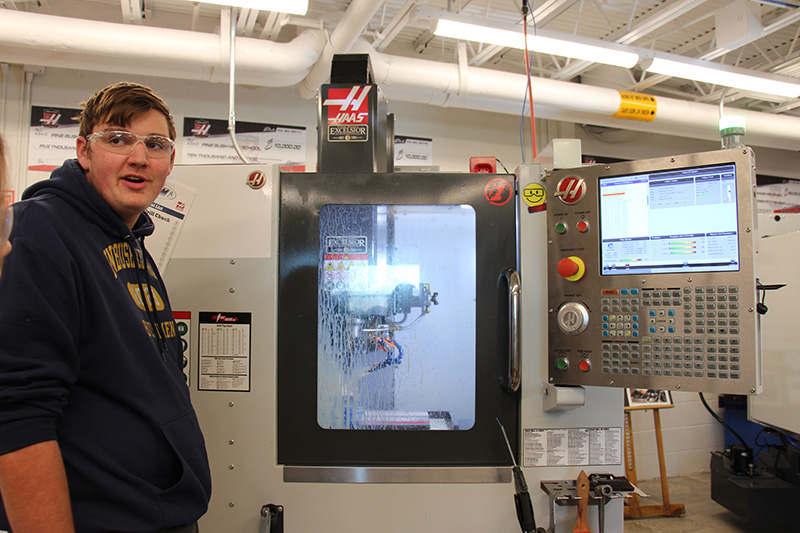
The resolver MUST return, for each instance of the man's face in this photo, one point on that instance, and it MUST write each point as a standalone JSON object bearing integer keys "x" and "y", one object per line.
{"x": 127, "y": 182}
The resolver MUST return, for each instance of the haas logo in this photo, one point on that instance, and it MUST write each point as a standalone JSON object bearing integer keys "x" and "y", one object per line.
{"x": 201, "y": 128}
{"x": 256, "y": 179}
{"x": 571, "y": 189}
{"x": 50, "y": 118}
{"x": 348, "y": 106}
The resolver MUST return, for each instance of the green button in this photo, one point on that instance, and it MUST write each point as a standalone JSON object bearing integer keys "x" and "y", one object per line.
{"x": 561, "y": 227}
{"x": 562, "y": 364}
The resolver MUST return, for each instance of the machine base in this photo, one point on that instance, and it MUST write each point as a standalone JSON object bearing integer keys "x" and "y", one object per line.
{"x": 759, "y": 499}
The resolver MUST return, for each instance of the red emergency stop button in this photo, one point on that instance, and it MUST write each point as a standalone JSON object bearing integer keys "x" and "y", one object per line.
{"x": 571, "y": 268}
{"x": 585, "y": 365}
{"x": 582, "y": 226}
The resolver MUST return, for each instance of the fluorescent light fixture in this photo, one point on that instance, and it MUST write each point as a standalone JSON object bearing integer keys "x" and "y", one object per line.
{"x": 292, "y": 7}
{"x": 718, "y": 74}
{"x": 511, "y": 36}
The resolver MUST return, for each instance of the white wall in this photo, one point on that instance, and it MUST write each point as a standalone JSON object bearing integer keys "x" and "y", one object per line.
{"x": 689, "y": 432}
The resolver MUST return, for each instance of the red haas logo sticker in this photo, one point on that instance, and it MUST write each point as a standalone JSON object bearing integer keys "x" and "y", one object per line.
{"x": 498, "y": 191}
{"x": 348, "y": 106}
{"x": 50, "y": 119}
{"x": 201, "y": 128}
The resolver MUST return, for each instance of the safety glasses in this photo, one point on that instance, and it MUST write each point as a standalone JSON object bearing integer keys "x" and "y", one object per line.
{"x": 123, "y": 142}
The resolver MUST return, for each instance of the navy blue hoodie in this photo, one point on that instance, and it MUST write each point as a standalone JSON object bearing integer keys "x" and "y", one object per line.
{"x": 85, "y": 360}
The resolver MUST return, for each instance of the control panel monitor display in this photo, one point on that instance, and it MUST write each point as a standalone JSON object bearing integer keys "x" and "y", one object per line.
{"x": 682, "y": 220}
{"x": 651, "y": 274}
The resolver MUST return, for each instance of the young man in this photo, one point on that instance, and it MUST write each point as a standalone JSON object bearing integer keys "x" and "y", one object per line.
{"x": 97, "y": 433}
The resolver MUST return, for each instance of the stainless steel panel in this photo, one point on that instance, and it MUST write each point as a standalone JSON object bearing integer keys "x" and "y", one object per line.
{"x": 315, "y": 474}
{"x": 669, "y": 309}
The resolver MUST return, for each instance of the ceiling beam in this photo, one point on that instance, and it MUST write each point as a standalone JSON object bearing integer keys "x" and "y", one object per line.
{"x": 398, "y": 22}
{"x": 652, "y": 23}
{"x": 790, "y": 18}
{"x": 540, "y": 14}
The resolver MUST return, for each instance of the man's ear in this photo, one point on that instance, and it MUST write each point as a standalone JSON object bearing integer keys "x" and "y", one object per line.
{"x": 82, "y": 148}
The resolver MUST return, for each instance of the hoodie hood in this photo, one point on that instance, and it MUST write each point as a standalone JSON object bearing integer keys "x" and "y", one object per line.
{"x": 69, "y": 183}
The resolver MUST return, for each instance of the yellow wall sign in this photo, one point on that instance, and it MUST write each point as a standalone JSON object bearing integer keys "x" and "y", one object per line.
{"x": 636, "y": 106}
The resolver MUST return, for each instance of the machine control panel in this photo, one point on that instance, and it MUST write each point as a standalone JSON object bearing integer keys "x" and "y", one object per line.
{"x": 651, "y": 280}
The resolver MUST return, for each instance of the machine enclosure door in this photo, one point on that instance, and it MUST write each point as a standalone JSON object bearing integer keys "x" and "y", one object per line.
{"x": 393, "y": 319}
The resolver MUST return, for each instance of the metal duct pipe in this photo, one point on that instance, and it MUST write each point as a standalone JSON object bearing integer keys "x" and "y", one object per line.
{"x": 34, "y": 39}
{"x": 502, "y": 92}
{"x": 28, "y": 38}
{"x": 342, "y": 39}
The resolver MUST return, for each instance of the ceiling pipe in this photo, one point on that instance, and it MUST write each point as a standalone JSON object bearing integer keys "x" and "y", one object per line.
{"x": 502, "y": 92}
{"x": 35, "y": 39}
{"x": 28, "y": 38}
{"x": 342, "y": 39}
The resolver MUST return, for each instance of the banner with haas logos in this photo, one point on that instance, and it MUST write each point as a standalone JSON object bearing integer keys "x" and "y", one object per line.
{"x": 52, "y": 135}
{"x": 207, "y": 141}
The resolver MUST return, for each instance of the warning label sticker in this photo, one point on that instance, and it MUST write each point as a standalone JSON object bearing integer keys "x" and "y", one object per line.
{"x": 535, "y": 196}
{"x": 346, "y": 263}
{"x": 636, "y": 106}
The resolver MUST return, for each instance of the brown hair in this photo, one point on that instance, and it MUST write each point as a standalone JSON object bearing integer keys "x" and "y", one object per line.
{"x": 119, "y": 104}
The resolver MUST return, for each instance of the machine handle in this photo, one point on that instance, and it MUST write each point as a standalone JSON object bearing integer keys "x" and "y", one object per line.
{"x": 271, "y": 519}
{"x": 514, "y": 289}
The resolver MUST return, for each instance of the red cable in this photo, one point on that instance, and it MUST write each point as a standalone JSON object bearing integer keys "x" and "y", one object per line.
{"x": 530, "y": 89}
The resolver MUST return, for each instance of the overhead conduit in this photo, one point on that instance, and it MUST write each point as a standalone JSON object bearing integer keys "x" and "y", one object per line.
{"x": 342, "y": 38}
{"x": 34, "y": 39}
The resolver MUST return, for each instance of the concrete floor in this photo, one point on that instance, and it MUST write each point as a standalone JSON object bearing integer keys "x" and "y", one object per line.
{"x": 702, "y": 514}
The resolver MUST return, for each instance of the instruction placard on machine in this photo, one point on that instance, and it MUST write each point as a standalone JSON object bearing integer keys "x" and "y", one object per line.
{"x": 572, "y": 447}
{"x": 224, "y": 351}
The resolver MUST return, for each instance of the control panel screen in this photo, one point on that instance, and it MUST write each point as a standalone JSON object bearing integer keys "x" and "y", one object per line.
{"x": 677, "y": 220}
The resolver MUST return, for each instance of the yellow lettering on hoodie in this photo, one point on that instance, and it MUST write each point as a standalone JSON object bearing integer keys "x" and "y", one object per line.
{"x": 151, "y": 295}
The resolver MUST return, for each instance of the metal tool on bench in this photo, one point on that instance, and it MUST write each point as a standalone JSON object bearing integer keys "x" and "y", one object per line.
{"x": 600, "y": 489}
{"x": 522, "y": 497}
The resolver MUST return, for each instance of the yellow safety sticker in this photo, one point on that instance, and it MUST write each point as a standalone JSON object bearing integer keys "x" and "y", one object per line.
{"x": 535, "y": 197}
{"x": 636, "y": 106}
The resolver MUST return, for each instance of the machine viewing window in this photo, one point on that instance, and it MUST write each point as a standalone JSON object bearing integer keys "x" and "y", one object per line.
{"x": 670, "y": 221}
{"x": 396, "y": 317}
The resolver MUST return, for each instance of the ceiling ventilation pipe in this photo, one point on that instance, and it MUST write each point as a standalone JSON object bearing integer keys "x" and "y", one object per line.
{"x": 491, "y": 90}
{"x": 29, "y": 38}
{"x": 342, "y": 39}
{"x": 50, "y": 41}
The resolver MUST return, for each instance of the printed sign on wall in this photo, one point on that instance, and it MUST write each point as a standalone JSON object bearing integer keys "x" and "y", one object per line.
{"x": 208, "y": 141}
{"x": 224, "y": 351}
{"x": 51, "y": 139}
{"x": 412, "y": 151}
